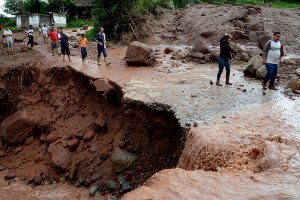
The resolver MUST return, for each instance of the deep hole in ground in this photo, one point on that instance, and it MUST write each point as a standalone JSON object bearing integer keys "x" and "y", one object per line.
{"x": 58, "y": 124}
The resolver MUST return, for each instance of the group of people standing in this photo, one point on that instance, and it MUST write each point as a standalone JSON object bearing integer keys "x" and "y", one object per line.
{"x": 272, "y": 54}
{"x": 58, "y": 37}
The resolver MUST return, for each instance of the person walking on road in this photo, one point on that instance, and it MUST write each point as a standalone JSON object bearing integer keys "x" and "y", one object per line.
{"x": 101, "y": 46}
{"x": 83, "y": 42}
{"x": 45, "y": 33}
{"x": 53, "y": 34}
{"x": 272, "y": 54}
{"x": 224, "y": 59}
{"x": 30, "y": 36}
{"x": 64, "y": 42}
{"x": 9, "y": 41}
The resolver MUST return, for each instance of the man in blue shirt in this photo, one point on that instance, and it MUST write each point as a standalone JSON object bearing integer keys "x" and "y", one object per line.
{"x": 101, "y": 46}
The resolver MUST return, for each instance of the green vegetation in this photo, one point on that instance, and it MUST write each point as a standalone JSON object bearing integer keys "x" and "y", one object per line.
{"x": 76, "y": 23}
{"x": 90, "y": 35}
{"x": 37, "y": 6}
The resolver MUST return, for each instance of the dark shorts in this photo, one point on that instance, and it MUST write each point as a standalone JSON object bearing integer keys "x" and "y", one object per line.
{"x": 65, "y": 49}
{"x": 54, "y": 45}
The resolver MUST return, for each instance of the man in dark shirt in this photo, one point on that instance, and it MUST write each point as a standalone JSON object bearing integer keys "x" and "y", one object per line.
{"x": 224, "y": 59}
{"x": 64, "y": 43}
{"x": 101, "y": 46}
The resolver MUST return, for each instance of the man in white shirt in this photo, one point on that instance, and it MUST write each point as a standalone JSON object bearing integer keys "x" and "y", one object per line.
{"x": 272, "y": 54}
{"x": 45, "y": 33}
{"x": 8, "y": 39}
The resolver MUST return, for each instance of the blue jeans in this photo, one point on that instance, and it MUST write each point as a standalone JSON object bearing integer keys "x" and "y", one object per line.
{"x": 223, "y": 62}
{"x": 271, "y": 74}
{"x": 101, "y": 49}
{"x": 83, "y": 52}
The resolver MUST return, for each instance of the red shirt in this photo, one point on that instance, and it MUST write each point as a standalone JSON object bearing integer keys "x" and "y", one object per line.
{"x": 53, "y": 36}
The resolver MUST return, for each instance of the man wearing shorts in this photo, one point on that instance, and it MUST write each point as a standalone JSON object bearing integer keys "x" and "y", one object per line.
{"x": 54, "y": 40}
{"x": 8, "y": 39}
{"x": 64, "y": 42}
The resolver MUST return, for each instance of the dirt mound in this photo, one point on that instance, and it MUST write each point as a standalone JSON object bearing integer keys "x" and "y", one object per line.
{"x": 86, "y": 133}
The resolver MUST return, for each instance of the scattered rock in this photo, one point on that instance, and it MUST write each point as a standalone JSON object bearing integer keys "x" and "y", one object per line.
{"x": 236, "y": 35}
{"x": 264, "y": 93}
{"x": 60, "y": 156}
{"x": 73, "y": 143}
{"x": 19, "y": 37}
{"x": 261, "y": 72}
{"x": 140, "y": 54}
{"x": 111, "y": 184}
{"x": 18, "y": 149}
{"x": 239, "y": 24}
{"x": 197, "y": 55}
{"x": 262, "y": 40}
{"x": 74, "y": 30}
{"x": 256, "y": 27}
{"x": 103, "y": 85}
{"x": 99, "y": 123}
{"x": 244, "y": 56}
{"x": 92, "y": 190}
{"x": 169, "y": 50}
{"x": 244, "y": 90}
{"x": 104, "y": 155}
{"x": 18, "y": 127}
{"x": 2, "y": 168}
{"x": 122, "y": 160}
{"x": 223, "y": 116}
{"x": 211, "y": 82}
{"x": 214, "y": 56}
{"x": 289, "y": 62}
{"x": 207, "y": 34}
{"x": 89, "y": 135}
{"x": 293, "y": 82}
{"x": 126, "y": 186}
{"x": 253, "y": 64}
{"x": 9, "y": 176}
{"x": 297, "y": 72}
{"x": 200, "y": 47}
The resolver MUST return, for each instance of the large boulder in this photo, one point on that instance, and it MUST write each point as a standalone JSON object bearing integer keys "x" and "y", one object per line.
{"x": 256, "y": 27}
{"x": 261, "y": 72}
{"x": 236, "y": 35}
{"x": 254, "y": 51}
{"x": 121, "y": 160}
{"x": 253, "y": 64}
{"x": 60, "y": 156}
{"x": 200, "y": 47}
{"x": 297, "y": 72}
{"x": 293, "y": 82}
{"x": 244, "y": 56}
{"x": 18, "y": 127}
{"x": 262, "y": 40}
{"x": 19, "y": 37}
{"x": 140, "y": 54}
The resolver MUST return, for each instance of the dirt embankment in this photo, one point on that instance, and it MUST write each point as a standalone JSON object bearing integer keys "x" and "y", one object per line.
{"x": 61, "y": 125}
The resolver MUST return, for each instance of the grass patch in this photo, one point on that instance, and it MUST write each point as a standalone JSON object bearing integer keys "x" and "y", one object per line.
{"x": 281, "y": 4}
{"x": 79, "y": 23}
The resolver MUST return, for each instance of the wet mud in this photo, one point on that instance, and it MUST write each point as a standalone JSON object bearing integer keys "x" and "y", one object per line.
{"x": 60, "y": 125}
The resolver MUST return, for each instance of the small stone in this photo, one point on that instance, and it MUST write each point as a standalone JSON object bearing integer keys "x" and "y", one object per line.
{"x": 9, "y": 176}
{"x": 2, "y": 168}
{"x": 111, "y": 184}
{"x": 54, "y": 182}
{"x": 18, "y": 149}
{"x": 244, "y": 90}
{"x": 126, "y": 186}
{"x": 264, "y": 93}
{"x": 22, "y": 177}
{"x": 195, "y": 124}
{"x": 77, "y": 184}
{"x": 211, "y": 82}
{"x": 223, "y": 116}
{"x": 92, "y": 190}
{"x": 79, "y": 134}
{"x": 122, "y": 144}
{"x": 38, "y": 180}
{"x": 187, "y": 124}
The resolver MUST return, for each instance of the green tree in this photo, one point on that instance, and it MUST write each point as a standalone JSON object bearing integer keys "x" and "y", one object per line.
{"x": 15, "y": 6}
{"x": 32, "y": 6}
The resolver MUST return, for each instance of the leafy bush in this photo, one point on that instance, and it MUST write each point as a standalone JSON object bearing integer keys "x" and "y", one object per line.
{"x": 77, "y": 23}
